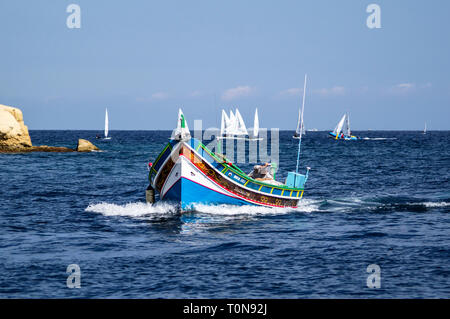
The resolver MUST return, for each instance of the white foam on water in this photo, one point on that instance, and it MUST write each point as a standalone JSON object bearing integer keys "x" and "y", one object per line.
{"x": 138, "y": 209}
{"x": 379, "y": 138}
{"x": 161, "y": 209}
{"x": 436, "y": 204}
{"x": 165, "y": 209}
{"x": 305, "y": 206}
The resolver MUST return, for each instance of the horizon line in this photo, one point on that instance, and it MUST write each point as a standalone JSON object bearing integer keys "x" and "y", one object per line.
{"x": 281, "y": 130}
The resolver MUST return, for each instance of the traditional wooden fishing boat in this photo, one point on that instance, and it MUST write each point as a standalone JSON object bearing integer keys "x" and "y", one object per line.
{"x": 188, "y": 173}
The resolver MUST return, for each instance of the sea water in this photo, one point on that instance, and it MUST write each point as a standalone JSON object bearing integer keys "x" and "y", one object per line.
{"x": 383, "y": 200}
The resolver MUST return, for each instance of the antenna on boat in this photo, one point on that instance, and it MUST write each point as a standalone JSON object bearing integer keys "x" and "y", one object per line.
{"x": 301, "y": 126}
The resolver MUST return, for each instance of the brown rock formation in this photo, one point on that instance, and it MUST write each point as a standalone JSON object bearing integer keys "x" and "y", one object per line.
{"x": 14, "y": 136}
{"x": 86, "y": 146}
{"x": 13, "y": 131}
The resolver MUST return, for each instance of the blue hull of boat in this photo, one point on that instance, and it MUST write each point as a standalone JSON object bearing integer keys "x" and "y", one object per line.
{"x": 187, "y": 173}
{"x": 186, "y": 193}
{"x": 346, "y": 137}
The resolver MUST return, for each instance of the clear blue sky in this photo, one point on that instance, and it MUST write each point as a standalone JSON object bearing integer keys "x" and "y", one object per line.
{"x": 144, "y": 59}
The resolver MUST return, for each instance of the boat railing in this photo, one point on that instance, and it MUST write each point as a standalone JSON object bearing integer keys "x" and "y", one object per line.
{"x": 221, "y": 159}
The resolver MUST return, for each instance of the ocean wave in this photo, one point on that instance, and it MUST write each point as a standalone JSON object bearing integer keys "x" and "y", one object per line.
{"x": 141, "y": 209}
{"x": 164, "y": 209}
{"x": 305, "y": 206}
{"x": 379, "y": 138}
{"x": 138, "y": 209}
{"x": 436, "y": 204}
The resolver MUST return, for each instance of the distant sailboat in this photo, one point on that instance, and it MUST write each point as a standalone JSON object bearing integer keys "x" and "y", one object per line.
{"x": 256, "y": 125}
{"x": 300, "y": 125}
{"x": 225, "y": 123}
{"x": 425, "y": 129}
{"x": 106, "y": 125}
{"x": 241, "y": 129}
{"x": 233, "y": 126}
{"x": 338, "y": 132}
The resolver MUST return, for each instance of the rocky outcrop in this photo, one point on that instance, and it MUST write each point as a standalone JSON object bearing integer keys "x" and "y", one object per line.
{"x": 40, "y": 148}
{"x": 86, "y": 146}
{"x": 14, "y": 136}
{"x": 13, "y": 131}
{"x": 45, "y": 148}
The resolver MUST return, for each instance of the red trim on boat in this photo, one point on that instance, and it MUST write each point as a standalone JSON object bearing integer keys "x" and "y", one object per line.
{"x": 239, "y": 196}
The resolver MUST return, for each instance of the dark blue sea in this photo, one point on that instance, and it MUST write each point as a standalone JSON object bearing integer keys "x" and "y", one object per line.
{"x": 382, "y": 200}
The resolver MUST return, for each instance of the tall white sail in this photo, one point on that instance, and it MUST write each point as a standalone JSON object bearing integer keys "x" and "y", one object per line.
{"x": 232, "y": 127}
{"x": 299, "y": 121}
{"x": 225, "y": 124}
{"x": 425, "y": 129}
{"x": 338, "y": 128}
{"x": 256, "y": 124}
{"x": 182, "y": 130}
{"x": 300, "y": 125}
{"x": 241, "y": 128}
{"x": 349, "y": 132}
{"x": 106, "y": 123}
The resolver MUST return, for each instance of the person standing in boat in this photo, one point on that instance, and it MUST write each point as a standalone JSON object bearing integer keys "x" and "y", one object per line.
{"x": 262, "y": 172}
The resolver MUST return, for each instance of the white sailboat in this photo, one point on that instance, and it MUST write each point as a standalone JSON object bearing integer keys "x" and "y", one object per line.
{"x": 349, "y": 133}
{"x": 425, "y": 129}
{"x": 300, "y": 125}
{"x": 338, "y": 129}
{"x": 225, "y": 123}
{"x": 233, "y": 126}
{"x": 341, "y": 132}
{"x": 182, "y": 130}
{"x": 256, "y": 125}
{"x": 241, "y": 129}
{"x": 106, "y": 125}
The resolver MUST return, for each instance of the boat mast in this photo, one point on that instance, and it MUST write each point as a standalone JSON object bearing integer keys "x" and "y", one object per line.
{"x": 301, "y": 127}
{"x": 106, "y": 123}
{"x": 349, "y": 133}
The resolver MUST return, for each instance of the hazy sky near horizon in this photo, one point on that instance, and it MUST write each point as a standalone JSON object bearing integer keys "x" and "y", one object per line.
{"x": 145, "y": 59}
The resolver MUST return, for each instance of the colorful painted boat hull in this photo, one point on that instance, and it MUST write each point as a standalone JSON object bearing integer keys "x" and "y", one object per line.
{"x": 189, "y": 174}
{"x": 346, "y": 137}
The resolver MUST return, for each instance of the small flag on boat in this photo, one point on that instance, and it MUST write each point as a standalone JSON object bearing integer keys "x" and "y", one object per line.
{"x": 182, "y": 130}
